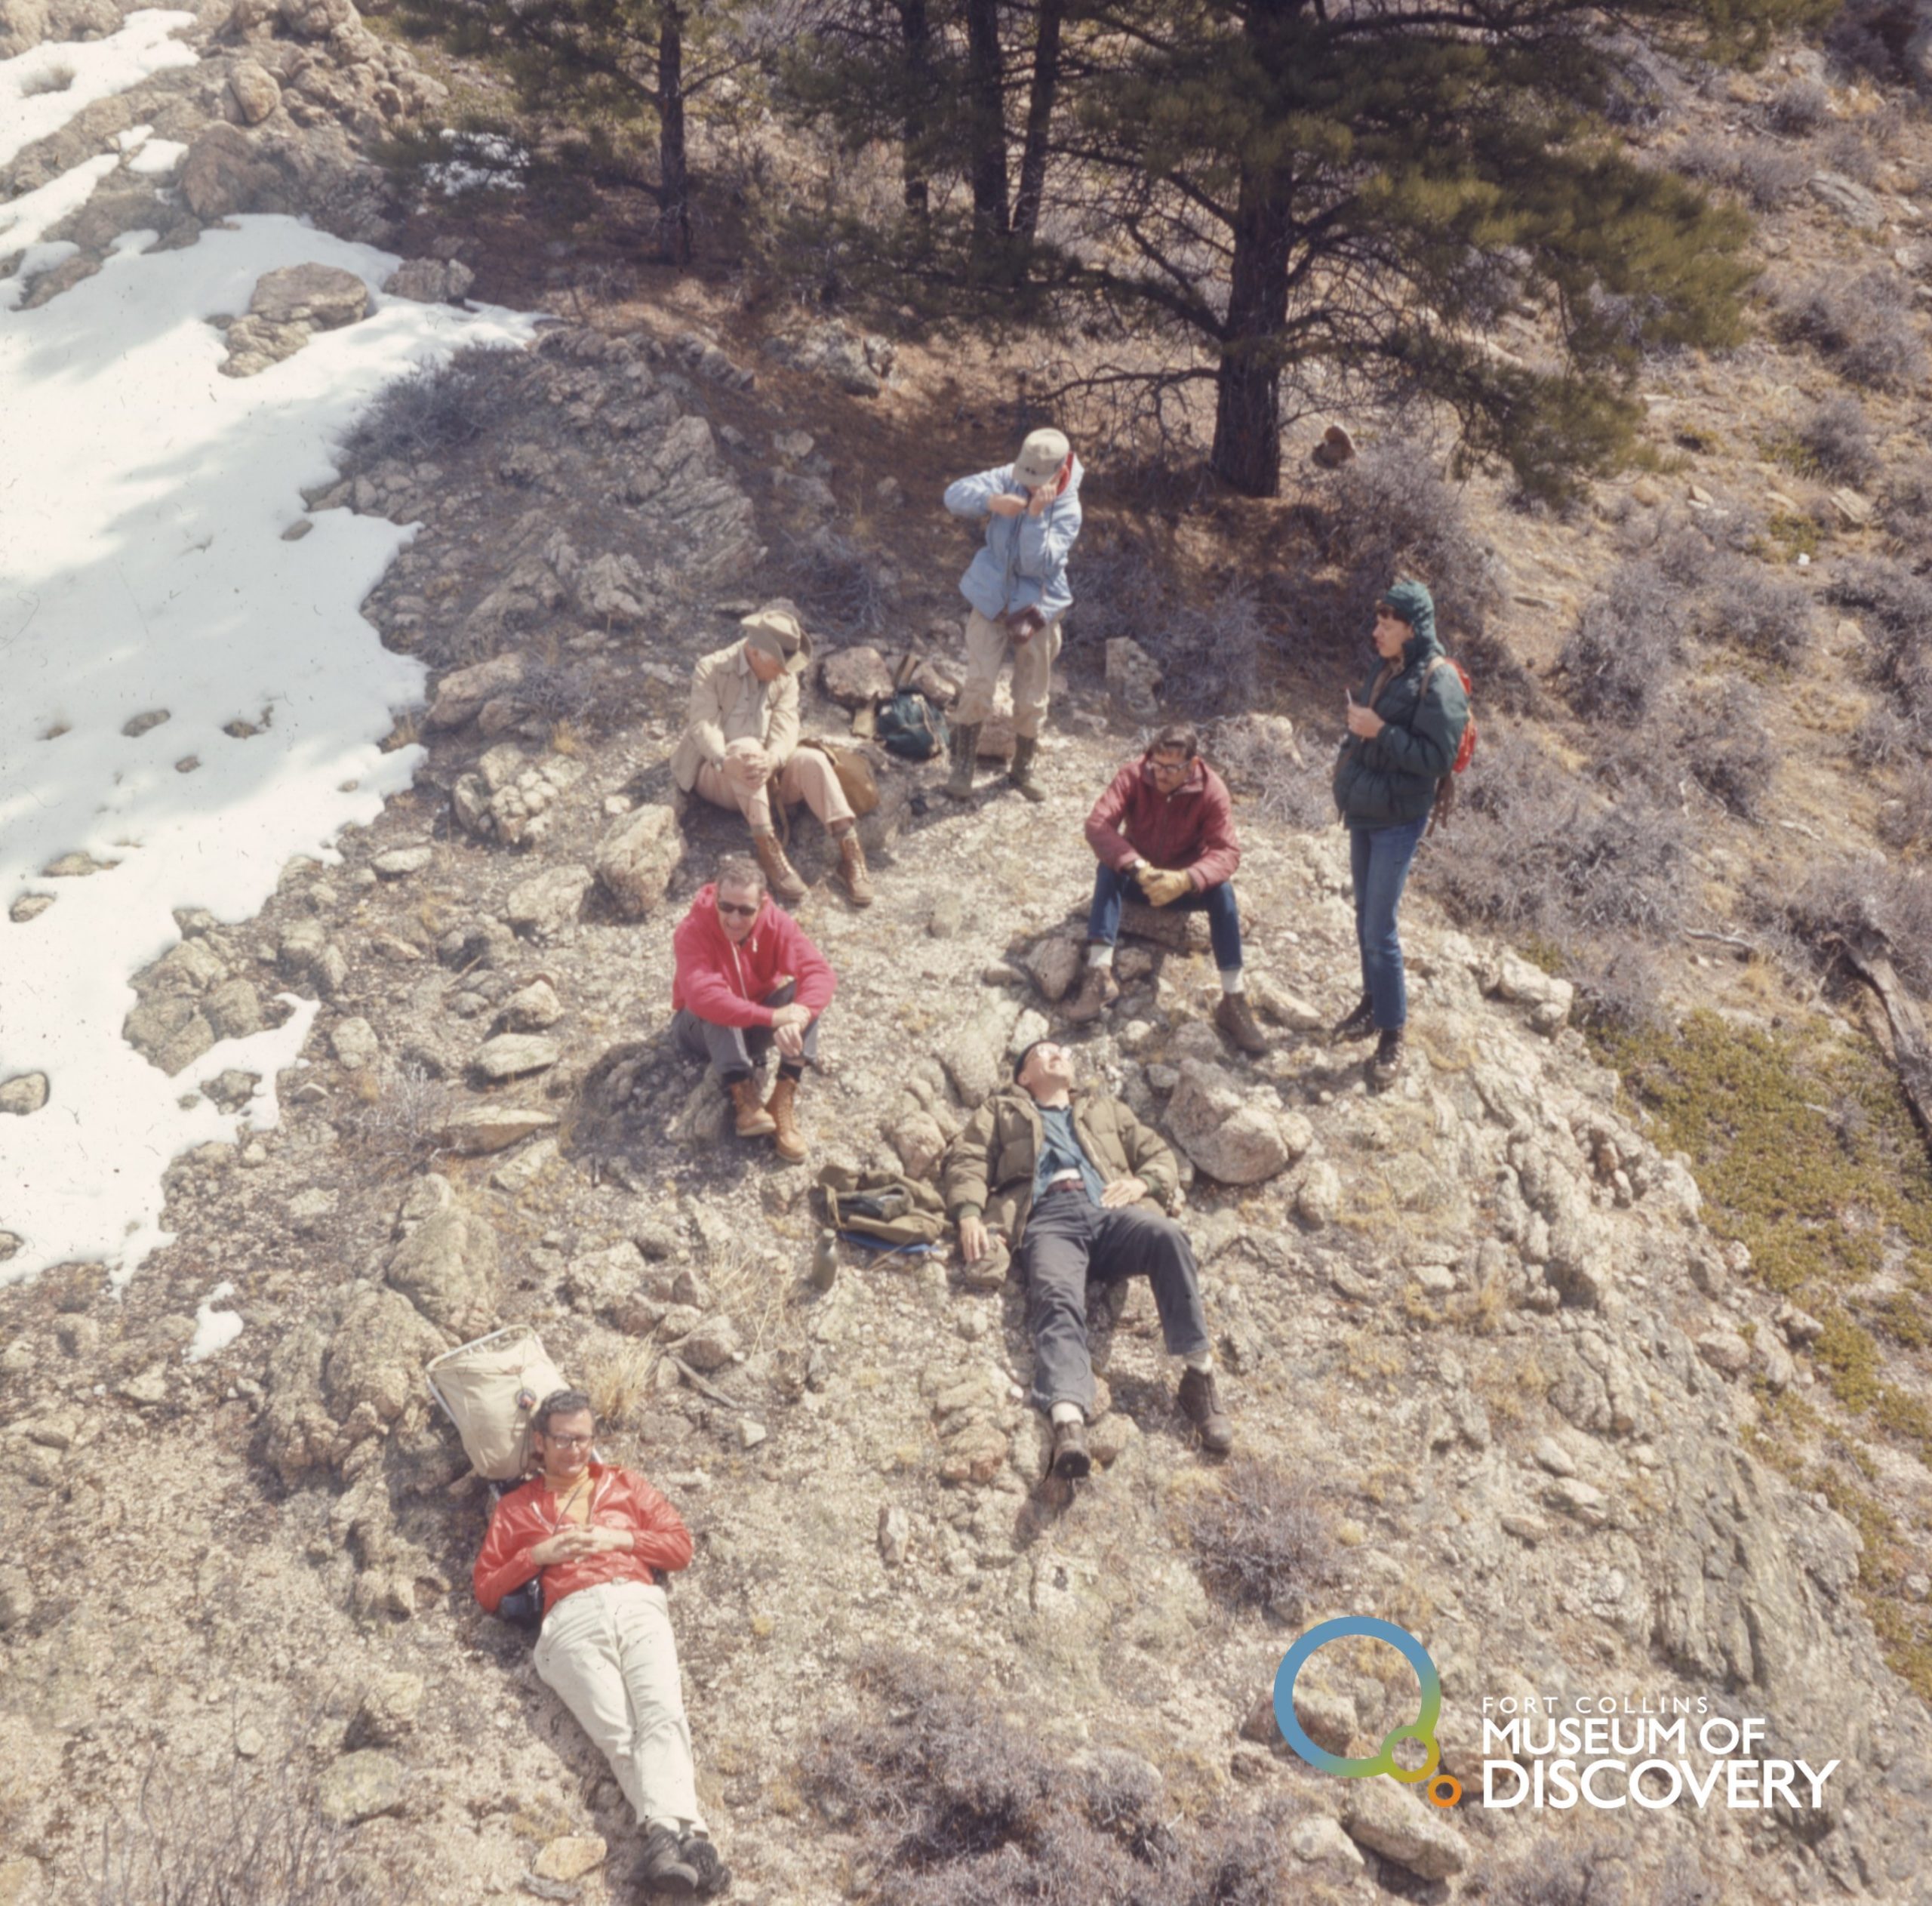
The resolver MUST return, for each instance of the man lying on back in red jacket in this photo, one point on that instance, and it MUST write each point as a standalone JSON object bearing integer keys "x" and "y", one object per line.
{"x": 748, "y": 978}
{"x": 600, "y": 1538}
{"x": 1164, "y": 832}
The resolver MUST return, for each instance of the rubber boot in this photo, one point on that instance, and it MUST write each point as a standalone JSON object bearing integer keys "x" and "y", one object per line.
{"x": 779, "y": 873}
{"x": 1020, "y": 774}
{"x": 965, "y": 752}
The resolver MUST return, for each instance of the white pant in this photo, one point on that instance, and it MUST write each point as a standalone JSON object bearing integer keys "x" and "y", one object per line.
{"x": 609, "y": 1654}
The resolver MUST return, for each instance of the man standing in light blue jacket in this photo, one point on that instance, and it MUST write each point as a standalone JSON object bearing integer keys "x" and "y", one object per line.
{"x": 1016, "y": 585}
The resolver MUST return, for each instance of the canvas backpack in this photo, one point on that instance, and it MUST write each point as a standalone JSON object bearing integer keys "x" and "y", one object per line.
{"x": 908, "y": 724}
{"x": 489, "y": 1389}
{"x": 882, "y": 1206}
{"x": 1444, "y": 804}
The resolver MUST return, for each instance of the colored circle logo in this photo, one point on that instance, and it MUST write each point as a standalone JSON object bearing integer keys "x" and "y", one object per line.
{"x": 1444, "y": 1789}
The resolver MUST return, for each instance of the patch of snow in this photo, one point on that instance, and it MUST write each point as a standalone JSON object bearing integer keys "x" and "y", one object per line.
{"x": 144, "y": 496}
{"x": 157, "y": 157}
{"x": 214, "y": 1330}
{"x": 33, "y": 104}
{"x": 127, "y": 141}
{"x": 24, "y": 219}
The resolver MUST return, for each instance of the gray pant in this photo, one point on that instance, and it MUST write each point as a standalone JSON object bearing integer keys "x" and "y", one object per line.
{"x": 736, "y": 1052}
{"x": 1069, "y": 1239}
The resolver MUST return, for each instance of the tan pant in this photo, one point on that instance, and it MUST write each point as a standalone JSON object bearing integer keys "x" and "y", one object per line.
{"x": 808, "y": 776}
{"x": 609, "y": 1653}
{"x": 986, "y": 645}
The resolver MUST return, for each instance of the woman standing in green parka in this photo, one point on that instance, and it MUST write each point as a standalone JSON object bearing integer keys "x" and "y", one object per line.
{"x": 1404, "y": 730}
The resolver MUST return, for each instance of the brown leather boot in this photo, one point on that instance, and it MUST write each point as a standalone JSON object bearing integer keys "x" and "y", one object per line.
{"x": 1098, "y": 990}
{"x": 1236, "y": 1019}
{"x": 778, "y": 872}
{"x": 852, "y": 865}
{"x": 754, "y": 1121}
{"x": 788, "y": 1140}
{"x": 1201, "y": 1404}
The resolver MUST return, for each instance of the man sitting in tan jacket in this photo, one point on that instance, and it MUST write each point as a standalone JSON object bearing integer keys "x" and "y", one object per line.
{"x": 1075, "y": 1182}
{"x": 741, "y": 746}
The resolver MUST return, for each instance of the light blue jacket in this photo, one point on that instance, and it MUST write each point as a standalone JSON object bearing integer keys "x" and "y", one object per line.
{"x": 1023, "y": 565}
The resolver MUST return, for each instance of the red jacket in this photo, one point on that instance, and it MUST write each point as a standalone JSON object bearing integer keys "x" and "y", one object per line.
{"x": 619, "y": 1499}
{"x": 727, "y": 984}
{"x": 1192, "y": 828}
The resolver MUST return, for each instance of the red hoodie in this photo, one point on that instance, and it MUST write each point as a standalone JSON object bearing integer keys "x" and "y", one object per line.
{"x": 727, "y": 984}
{"x": 1193, "y": 828}
{"x": 619, "y": 1499}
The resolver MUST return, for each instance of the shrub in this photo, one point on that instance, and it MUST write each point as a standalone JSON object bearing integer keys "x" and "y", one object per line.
{"x": 1208, "y": 643}
{"x": 1620, "y": 656}
{"x": 1798, "y": 109}
{"x": 1865, "y": 323}
{"x": 1876, "y": 896}
{"x": 398, "y": 1125}
{"x": 1838, "y": 438}
{"x": 1895, "y": 604}
{"x": 1726, "y": 749}
{"x": 1762, "y": 173}
{"x": 1764, "y": 613}
{"x": 1260, "y": 1535}
{"x": 1279, "y": 781}
{"x": 830, "y": 579}
{"x": 1907, "y": 822}
{"x": 438, "y": 410}
{"x": 1907, "y": 497}
{"x": 1849, "y": 151}
{"x": 955, "y": 1805}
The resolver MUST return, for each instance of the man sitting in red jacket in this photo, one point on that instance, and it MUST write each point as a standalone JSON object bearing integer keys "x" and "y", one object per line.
{"x": 747, "y": 978}
{"x": 597, "y": 1537}
{"x": 1164, "y": 832}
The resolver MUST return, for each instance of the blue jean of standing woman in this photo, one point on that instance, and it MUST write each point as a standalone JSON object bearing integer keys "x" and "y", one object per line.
{"x": 1380, "y": 858}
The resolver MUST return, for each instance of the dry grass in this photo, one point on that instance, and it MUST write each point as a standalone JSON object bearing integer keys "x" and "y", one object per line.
{"x": 1260, "y": 1536}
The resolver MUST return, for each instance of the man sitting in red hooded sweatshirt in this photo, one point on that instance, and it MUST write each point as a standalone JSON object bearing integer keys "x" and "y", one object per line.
{"x": 748, "y": 978}
{"x": 600, "y": 1538}
{"x": 1164, "y": 832}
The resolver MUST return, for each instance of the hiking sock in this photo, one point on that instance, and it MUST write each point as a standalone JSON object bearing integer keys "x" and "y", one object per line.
{"x": 792, "y": 1069}
{"x": 1201, "y": 1360}
{"x": 1099, "y": 953}
{"x": 1231, "y": 982}
{"x": 1068, "y": 1413}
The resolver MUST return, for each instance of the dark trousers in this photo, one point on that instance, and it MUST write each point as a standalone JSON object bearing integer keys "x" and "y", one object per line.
{"x": 737, "y": 1051}
{"x": 1069, "y": 1239}
{"x": 1379, "y": 859}
{"x": 1112, "y": 891}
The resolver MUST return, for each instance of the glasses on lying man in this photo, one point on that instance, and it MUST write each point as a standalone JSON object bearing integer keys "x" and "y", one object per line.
{"x": 568, "y": 1442}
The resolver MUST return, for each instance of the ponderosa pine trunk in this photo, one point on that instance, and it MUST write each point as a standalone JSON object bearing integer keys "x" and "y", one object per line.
{"x": 674, "y": 203}
{"x": 1247, "y": 391}
{"x": 1039, "y": 120}
{"x": 915, "y": 38}
{"x": 986, "y": 115}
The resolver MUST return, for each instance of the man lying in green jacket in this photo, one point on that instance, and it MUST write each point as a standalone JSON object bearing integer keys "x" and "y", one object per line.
{"x": 1075, "y": 1182}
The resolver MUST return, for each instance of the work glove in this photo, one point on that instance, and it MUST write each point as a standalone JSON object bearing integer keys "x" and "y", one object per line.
{"x": 1162, "y": 885}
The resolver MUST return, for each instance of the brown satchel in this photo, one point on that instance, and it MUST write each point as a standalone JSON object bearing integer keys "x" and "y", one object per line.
{"x": 854, "y": 772}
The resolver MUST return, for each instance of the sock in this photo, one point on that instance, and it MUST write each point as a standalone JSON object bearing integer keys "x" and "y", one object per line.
{"x": 1099, "y": 953}
{"x": 791, "y": 1068}
{"x": 1068, "y": 1413}
{"x": 1201, "y": 1360}
{"x": 1231, "y": 982}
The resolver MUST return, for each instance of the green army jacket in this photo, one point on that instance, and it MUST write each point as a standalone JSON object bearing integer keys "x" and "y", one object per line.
{"x": 989, "y": 1168}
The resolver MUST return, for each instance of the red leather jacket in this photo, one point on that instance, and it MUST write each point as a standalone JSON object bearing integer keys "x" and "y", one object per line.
{"x": 728, "y": 984}
{"x": 1192, "y": 830}
{"x": 619, "y": 1499}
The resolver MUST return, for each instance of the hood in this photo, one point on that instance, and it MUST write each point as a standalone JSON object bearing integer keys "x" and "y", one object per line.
{"x": 1417, "y": 608}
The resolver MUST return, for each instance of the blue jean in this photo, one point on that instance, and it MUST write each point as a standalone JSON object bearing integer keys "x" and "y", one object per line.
{"x": 1379, "y": 859}
{"x": 1112, "y": 891}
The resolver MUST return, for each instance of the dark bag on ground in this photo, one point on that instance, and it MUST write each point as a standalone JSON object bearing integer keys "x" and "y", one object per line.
{"x": 898, "y": 1211}
{"x": 909, "y": 725}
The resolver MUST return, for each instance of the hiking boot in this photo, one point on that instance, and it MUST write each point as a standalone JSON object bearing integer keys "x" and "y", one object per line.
{"x": 789, "y": 1140}
{"x": 1359, "y": 1024}
{"x": 965, "y": 752}
{"x": 779, "y": 873}
{"x": 1098, "y": 991}
{"x": 1236, "y": 1019}
{"x": 663, "y": 1869}
{"x": 852, "y": 865}
{"x": 1020, "y": 774}
{"x": 1385, "y": 1063}
{"x": 1201, "y": 1403}
{"x": 1070, "y": 1457}
{"x": 697, "y": 1851}
{"x": 754, "y": 1121}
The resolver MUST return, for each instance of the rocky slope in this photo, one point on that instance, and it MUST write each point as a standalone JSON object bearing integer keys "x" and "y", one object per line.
{"x": 1478, "y": 1318}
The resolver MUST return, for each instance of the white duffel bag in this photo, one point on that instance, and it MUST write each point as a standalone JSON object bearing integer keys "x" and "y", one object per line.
{"x": 490, "y": 1389}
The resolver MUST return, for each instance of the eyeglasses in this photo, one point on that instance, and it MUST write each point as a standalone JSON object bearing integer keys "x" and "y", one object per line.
{"x": 725, "y": 907}
{"x": 1168, "y": 767}
{"x": 567, "y": 1443}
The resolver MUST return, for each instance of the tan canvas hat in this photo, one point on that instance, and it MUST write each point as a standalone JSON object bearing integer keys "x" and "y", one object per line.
{"x": 1041, "y": 457}
{"x": 776, "y": 631}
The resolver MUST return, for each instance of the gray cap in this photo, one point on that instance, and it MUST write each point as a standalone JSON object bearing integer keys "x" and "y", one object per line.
{"x": 1041, "y": 457}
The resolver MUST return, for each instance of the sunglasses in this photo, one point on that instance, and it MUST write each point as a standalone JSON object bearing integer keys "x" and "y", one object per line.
{"x": 725, "y": 907}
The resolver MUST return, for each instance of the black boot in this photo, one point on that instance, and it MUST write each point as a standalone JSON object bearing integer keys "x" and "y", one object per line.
{"x": 1020, "y": 774}
{"x": 965, "y": 754}
{"x": 1385, "y": 1064}
{"x": 664, "y": 1870}
{"x": 1360, "y": 1022}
